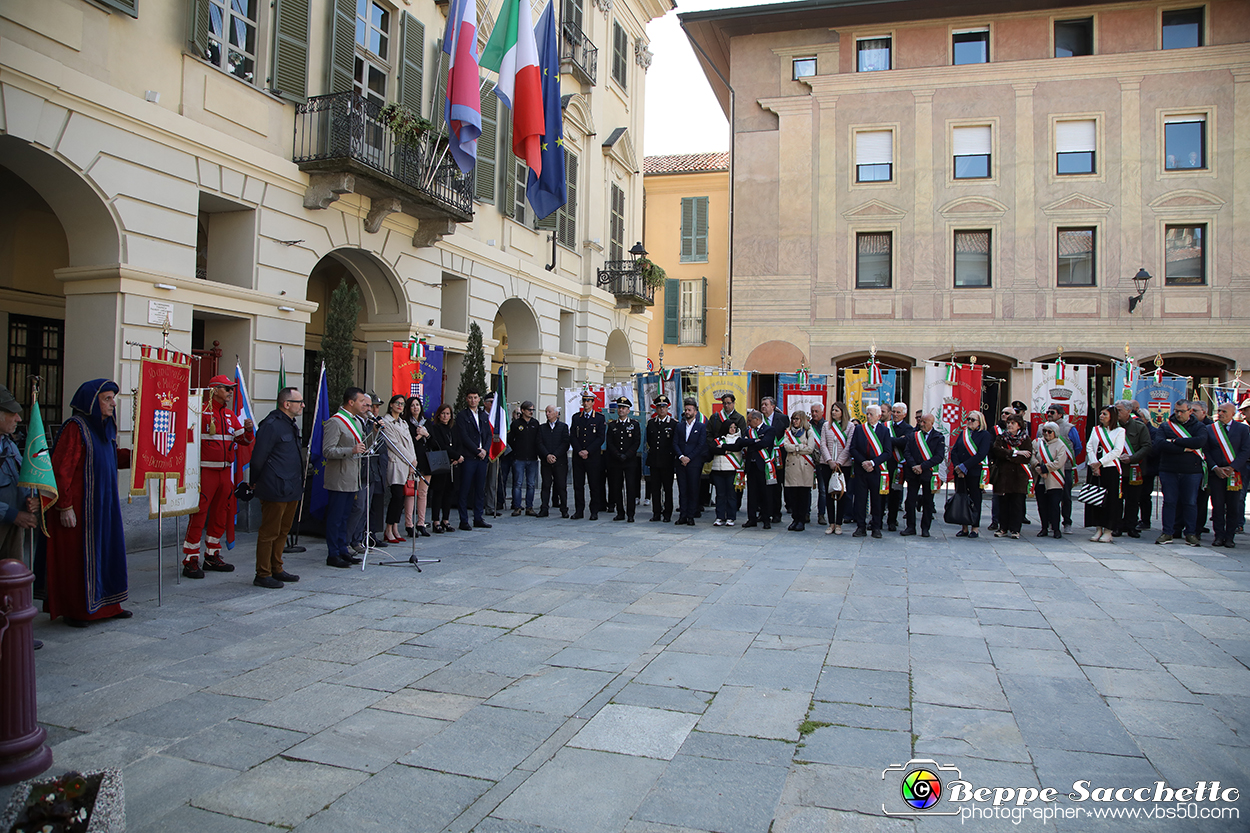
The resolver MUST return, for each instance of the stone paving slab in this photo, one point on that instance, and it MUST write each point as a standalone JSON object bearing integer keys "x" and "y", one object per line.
{"x": 551, "y": 677}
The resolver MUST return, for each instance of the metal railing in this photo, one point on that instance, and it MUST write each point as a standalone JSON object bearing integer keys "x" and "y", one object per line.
{"x": 576, "y": 48}
{"x": 623, "y": 278}
{"x": 345, "y": 127}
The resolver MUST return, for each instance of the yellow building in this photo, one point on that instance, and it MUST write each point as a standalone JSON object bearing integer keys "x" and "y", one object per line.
{"x": 988, "y": 183}
{"x": 686, "y": 222}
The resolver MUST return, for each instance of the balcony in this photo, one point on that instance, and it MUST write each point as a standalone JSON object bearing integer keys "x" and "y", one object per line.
{"x": 623, "y": 278}
{"x": 579, "y": 53}
{"x": 341, "y": 142}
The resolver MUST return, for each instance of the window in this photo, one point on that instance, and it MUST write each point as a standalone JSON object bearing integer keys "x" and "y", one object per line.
{"x": 1076, "y": 257}
{"x": 1075, "y": 142}
{"x": 36, "y": 349}
{"x": 972, "y": 151}
{"x": 373, "y": 26}
{"x": 972, "y": 258}
{"x": 694, "y": 230}
{"x": 873, "y": 260}
{"x": 616, "y": 227}
{"x": 1074, "y": 37}
{"x": 873, "y": 54}
{"x": 1184, "y": 142}
{"x": 1185, "y": 255}
{"x": 874, "y": 156}
{"x": 1182, "y": 28}
{"x": 692, "y": 312}
{"x": 620, "y": 54}
{"x": 804, "y": 68}
{"x": 563, "y": 221}
{"x": 232, "y": 40}
{"x": 971, "y": 47}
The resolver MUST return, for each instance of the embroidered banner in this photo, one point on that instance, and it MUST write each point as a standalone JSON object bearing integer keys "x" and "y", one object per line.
{"x": 714, "y": 385}
{"x": 184, "y": 500}
{"x": 161, "y": 418}
{"x": 417, "y": 370}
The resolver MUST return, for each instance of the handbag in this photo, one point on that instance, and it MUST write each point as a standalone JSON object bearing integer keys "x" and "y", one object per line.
{"x": 837, "y": 483}
{"x": 410, "y": 488}
{"x": 439, "y": 462}
{"x": 1091, "y": 494}
{"x": 958, "y": 510}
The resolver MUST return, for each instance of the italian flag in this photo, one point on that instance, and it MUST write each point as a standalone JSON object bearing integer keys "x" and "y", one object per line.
{"x": 512, "y": 51}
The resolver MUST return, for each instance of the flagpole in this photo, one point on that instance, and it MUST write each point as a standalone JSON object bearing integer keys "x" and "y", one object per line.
{"x": 308, "y": 457}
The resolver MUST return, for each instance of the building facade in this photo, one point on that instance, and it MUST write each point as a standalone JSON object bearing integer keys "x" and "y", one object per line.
{"x": 687, "y": 233}
{"x": 986, "y": 184}
{"x": 222, "y": 167}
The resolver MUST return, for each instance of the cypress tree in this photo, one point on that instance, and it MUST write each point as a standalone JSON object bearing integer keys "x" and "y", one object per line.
{"x": 473, "y": 374}
{"x": 336, "y": 343}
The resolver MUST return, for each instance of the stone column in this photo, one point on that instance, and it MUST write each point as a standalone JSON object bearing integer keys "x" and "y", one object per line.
{"x": 1132, "y": 227}
{"x": 1025, "y": 172}
{"x": 924, "y": 271}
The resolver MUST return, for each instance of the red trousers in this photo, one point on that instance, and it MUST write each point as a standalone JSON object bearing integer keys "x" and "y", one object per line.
{"x": 215, "y": 488}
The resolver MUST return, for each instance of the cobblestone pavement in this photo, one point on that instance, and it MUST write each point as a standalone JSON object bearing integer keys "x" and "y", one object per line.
{"x": 573, "y": 676}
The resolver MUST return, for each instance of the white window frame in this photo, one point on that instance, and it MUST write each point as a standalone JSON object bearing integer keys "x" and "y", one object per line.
{"x": 690, "y": 313}
{"x": 888, "y": 36}
{"x": 856, "y": 132}
{"x": 260, "y": 74}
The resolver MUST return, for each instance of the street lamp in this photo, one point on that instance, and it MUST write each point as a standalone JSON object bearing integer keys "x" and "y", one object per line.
{"x": 638, "y": 251}
{"x": 1141, "y": 280}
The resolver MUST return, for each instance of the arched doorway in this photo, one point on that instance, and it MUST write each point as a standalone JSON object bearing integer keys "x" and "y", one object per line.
{"x": 766, "y": 361}
{"x": 520, "y": 347}
{"x": 620, "y": 358}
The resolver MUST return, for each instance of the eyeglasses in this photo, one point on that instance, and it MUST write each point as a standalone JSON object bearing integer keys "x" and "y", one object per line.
{"x": 1047, "y": 431}
{"x": 969, "y": 419}
{"x": 295, "y": 402}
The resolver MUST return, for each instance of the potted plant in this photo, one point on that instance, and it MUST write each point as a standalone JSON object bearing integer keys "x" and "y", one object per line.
{"x": 406, "y": 126}
{"x": 652, "y": 273}
{"x": 76, "y": 802}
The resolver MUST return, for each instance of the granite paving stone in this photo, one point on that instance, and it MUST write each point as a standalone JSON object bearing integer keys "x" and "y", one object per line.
{"x": 236, "y": 744}
{"x": 368, "y": 741}
{"x": 867, "y": 687}
{"x": 487, "y": 742}
{"x": 635, "y": 730}
{"x": 553, "y": 690}
{"x": 315, "y": 707}
{"x": 279, "y": 791}
{"x": 729, "y": 796}
{"x": 697, "y": 671}
{"x": 756, "y": 712}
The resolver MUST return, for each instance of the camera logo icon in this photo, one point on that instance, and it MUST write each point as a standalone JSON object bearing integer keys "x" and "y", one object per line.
{"x": 921, "y": 786}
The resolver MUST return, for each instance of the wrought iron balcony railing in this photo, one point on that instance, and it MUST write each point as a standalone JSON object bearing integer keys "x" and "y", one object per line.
{"x": 342, "y": 133}
{"x": 576, "y": 48}
{"x": 623, "y": 278}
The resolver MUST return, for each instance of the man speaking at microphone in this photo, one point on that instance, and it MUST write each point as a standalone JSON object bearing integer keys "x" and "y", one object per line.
{"x": 342, "y": 443}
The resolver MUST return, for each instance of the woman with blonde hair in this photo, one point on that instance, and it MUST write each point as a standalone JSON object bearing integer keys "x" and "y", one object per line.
{"x": 968, "y": 451}
{"x": 399, "y": 468}
{"x": 835, "y": 438}
{"x": 1103, "y": 453}
{"x": 1049, "y": 461}
{"x": 800, "y": 446}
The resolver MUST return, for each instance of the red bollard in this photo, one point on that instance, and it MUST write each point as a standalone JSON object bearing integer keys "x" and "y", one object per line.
{"x": 23, "y": 753}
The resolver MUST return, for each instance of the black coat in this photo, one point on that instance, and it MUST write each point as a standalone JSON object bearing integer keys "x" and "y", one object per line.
{"x": 523, "y": 439}
{"x": 277, "y": 468}
{"x": 473, "y": 431}
{"x": 553, "y": 439}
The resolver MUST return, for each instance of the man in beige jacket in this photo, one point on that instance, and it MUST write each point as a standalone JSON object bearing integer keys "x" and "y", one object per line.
{"x": 342, "y": 443}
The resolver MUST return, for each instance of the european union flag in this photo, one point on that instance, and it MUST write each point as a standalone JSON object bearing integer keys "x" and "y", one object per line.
{"x": 318, "y": 499}
{"x": 548, "y": 192}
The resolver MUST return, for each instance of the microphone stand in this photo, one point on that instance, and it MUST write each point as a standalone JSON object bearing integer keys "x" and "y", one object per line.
{"x": 412, "y": 466}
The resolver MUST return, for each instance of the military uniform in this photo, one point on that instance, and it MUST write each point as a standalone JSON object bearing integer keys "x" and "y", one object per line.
{"x": 624, "y": 470}
{"x": 587, "y": 434}
{"x": 660, "y": 461}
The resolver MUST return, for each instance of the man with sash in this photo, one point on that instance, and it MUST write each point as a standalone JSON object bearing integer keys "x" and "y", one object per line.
{"x": 822, "y": 471}
{"x": 221, "y": 431}
{"x": 690, "y": 449}
{"x": 923, "y": 454}
{"x": 1228, "y": 450}
{"x": 1181, "y": 466}
{"x": 718, "y": 427}
{"x": 777, "y": 423}
{"x": 475, "y": 435}
{"x": 900, "y": 432}
{"x": 1072, "y": 439}
{"x": 762, "y": 465}
{"x": 1203, "y": 502}
{"x": 1137, "y": 445}
{"x": 660, "y": 459}
{"x": 624, "y": 438}
{"x": 870, "y": 452}
{"x": 342, "y": 443}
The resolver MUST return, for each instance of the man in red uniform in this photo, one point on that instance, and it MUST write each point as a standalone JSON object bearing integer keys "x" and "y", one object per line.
{"x": 221, "y": 430}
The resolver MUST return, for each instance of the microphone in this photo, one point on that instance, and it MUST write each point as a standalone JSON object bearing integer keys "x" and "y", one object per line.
{"x": 373, "y": 418}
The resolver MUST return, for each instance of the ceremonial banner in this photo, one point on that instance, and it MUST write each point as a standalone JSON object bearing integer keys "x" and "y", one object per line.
{"x": 160, "y": 418}
{"x": 417, "y": 370}
{"x": 319, "y": 499}
{"x": 1157, "y": 398}
{"x": 183, "y": 500}
{"x": 573, "y": 400}
{"x": 714, "y": 385}
{"x": 860, "y": 394}
{"x": 800, "y": 398}
{"x": 1125, "y": 377}
{"x": 241, "y": 468}
{"x": 36, "y": 472}
{"x": 815, "y": 380}
{"x": 950, "y": 392}
{"x": 1071, "y": 395}
{"x": 649, "y": 389}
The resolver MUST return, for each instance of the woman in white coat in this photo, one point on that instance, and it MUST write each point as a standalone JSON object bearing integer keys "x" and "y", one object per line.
{"x": 834, "y": 441}
{"x": 1103, "y": 453}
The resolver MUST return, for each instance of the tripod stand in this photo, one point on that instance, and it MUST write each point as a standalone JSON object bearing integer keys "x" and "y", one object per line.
{"x": 380, "y": 438}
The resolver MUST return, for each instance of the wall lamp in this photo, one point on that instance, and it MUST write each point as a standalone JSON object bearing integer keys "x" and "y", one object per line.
{"x": 1141, "y": 280}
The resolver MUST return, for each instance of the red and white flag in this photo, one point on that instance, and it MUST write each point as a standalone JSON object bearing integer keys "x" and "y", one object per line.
{"x": 462, "y": 108}
{"x": 512, "y": 51}
{"x": 498, "y": 418}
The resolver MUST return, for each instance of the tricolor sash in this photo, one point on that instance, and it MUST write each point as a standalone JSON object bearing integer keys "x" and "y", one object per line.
{"x": 838, "y": 433}
{"x": 1134, "y": 469}
{"x": 874, "y": 442}
{"x": 792, "y": 440}
{"x": 1226, "y": 451}
{"x": 1048, "y": 457}
{"x": 972, "y": 450}
{"x": 350, "y": 422}
{"x": 1183, "y": 433}
{"x": 935, "y": 482}
{"x": 1104, "y": 442}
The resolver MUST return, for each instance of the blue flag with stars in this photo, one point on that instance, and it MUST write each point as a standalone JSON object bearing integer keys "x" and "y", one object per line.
{"x": 318, "y": 498}
{"x": 548, "y": 192}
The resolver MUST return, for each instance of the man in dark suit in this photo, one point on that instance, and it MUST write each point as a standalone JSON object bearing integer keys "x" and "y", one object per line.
{"x": 553, "y": 453}
{"x": 870, "y": 458}
{"x": 474, "y": 434}
{"x": 1228, "y": 452}
{"x": 586, "y": 437}
{"x": 777, "y": 423}
{"x": 900, "y": 432}
{"x": 759, "y": 447}
{"x": 718, "y": 427}
{"x": 690, "y": 449}
{"x": 924, "y": 452}
{"x": 660, "y": 459}
{"x": 624, "y": 438}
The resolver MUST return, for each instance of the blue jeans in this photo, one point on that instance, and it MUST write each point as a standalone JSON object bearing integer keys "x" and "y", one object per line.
{"x": 726, "y": 500}
{"x": 1180, "y": 490}
{"x": 526, "y": 470}
{"x": 338, "y": 510}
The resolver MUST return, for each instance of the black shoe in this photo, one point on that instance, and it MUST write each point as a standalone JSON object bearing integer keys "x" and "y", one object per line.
{"x": 543, "y": 513}
{"x": 74, "y": 623}
{"x": 974, "y": 534}
{"x": 924, "y": 533}
{"x": 963, "y": 533}
{"x": 667, "y": 518}
{"x": 620, "y": 516}
{"x": 423, "y": 531}
{"x": 412, "y": 531}
{"x": 217, "y": 564}
{"x": 793, "y": 527}
{"x": 892, "y": 528}
{"x": 594, "y": 516}
{"x": 911, "y": 530}
{"x": 577, "y": 516}
{"x": 749, "y": 525}
{"x": 1027, "y": 522}
{"x": 438, "y": 529}
{"x": 777, "y": 519}
{"x": 876, "y": 533}
{"x": 1228, "y": 544}
{"x": 800, "y": 527}
{"x": 1143, "y": 525}
{"x": 679, "y": 522}
{"x": 1043, "y": 533}
{"x": 1117, "y": 534}
{"x": 335, "y": 561}
{"x": 564, "y": 513}
{"x": 267, "y": 581}
{"x": 123, "y": 614}
{"x": 193, "y": 570}
{"x": 1059, "y": 534}
{"x": 355, "y": 559}
{"x": 993, "y": 527}
{"x": 1133, "y": 533}
{"x": 448, "y": 528}
{"x": 860, "y": 533}
{"x": 655, "y": 518}
{"x": 285, "y": 577}
{"x": 378, "y": 544}
{"x": 1218, "y": 542}
{"x": 481, "y": 524}
{"x": 464, "y": 527}
{"x": 630, "y": 519}
{"x": 767, "y": 525}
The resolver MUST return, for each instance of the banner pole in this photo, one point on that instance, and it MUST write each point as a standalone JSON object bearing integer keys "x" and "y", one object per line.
{"x": 160, "y": 540}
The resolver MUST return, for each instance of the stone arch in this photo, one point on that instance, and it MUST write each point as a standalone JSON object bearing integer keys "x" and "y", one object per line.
{"x": 775, "y": 357}
{"x": 520, "y": 346}
{"x": 381, "y": 293}
{"x": 619, "y": 356}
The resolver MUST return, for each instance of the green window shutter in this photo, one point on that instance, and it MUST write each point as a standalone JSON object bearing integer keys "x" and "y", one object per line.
{"x": 486, "y": 171}
{"x": 197, "y": 27}
{"x": 438, "y": 97}
{"x": 567, "y": 233}
{"x": 342, "y": 47}
{"x": 573, "y": 13}
{"x": 290, "y": 49}
{"x": 509, "y": 196}
{"x": 411, "y": 62}
{"x": 700, "y": 229}
{"x": 672, "y": 301}
{"x": 130, "y": 7}
{"x": 620, "y": 50}
{"x": 687, "y": 229}
{"x": 703, "y": 319}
